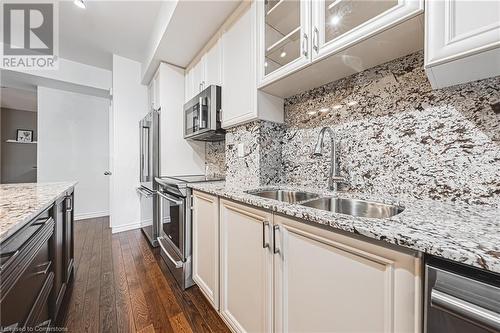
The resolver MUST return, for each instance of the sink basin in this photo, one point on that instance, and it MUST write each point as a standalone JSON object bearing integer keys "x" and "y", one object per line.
{"x": 285, "y": 196}
{"x": 355, "y": 207}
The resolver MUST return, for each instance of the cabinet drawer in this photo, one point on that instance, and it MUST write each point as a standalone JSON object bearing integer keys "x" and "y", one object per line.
{"x": 19, "y": 305}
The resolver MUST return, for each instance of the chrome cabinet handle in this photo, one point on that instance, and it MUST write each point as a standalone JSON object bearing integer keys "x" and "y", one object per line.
{"x": 69, "y": 204}
{"x": 13, "y": 256}
{"x": 316, "y": 40}
{"x": 265, "y": 225}
{"x": 178, "y": 264}
{"x": 275, "y": 249}
{"x": 304, "y": 45}
{"x": 465, "y": 310}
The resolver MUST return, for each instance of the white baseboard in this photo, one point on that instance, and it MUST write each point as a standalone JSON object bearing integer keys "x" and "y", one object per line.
{"x": 90, "y": 215}
{"x": 130, "y": 226}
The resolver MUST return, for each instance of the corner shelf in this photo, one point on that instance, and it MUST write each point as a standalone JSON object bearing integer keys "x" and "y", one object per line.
{"x": 15, "y": 141}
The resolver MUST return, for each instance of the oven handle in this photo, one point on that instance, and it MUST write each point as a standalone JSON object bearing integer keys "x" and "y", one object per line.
{"x": 465, "y": 310}
{"x": 177, "y": 202}
{"x": 178, "y": 264}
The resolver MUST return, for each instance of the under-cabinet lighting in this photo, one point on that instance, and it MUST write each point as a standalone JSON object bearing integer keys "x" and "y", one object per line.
{"x": 323, "y": 110}
{"x": 312, "y": 113}
{"x": 265, "y": 64}
{"x": 351, "y": 103}
{"x": 337, "y": 106}
{"x": 80, "y": 4}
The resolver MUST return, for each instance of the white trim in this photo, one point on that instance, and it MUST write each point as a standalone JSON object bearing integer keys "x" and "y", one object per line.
{"x": 91, "y": 215}
{"x": 130, "y": 226}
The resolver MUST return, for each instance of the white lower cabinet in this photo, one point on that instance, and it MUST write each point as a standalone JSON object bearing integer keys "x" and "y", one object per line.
{"x": 327, "y": 282}
{"x": 281, "y": 275}
{"x": 246, "y": 268}
{"x": 206, "y": 245}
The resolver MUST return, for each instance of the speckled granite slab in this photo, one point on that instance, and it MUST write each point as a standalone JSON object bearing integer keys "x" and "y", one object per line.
{"x": 465, "y": 233}
{"x": 20, "y": 203}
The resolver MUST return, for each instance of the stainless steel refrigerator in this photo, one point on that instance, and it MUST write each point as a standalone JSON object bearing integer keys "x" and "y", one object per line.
{"x": 149, "y": 169}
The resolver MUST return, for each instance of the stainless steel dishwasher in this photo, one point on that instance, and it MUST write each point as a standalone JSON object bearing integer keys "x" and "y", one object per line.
{"x": 460, "y": 298}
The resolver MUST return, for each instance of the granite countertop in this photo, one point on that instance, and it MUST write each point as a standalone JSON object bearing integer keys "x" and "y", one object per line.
{"x": 20, "y": 203}
{"x": 469, "y": 234}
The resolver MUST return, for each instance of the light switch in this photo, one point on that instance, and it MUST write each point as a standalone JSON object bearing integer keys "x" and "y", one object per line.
{"x": 241, "y": 149}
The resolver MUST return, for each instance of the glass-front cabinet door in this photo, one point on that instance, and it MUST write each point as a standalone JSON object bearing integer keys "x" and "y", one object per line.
{"x": 338, "y": 24}
{"x": 284, "y": 37}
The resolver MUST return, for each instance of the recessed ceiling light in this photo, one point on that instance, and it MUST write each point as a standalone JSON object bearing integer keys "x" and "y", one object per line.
{"x": 323, "y": 110}
{"x": 80, "y": 4}
{"x": 337, "y": 106}
{"x": 335, "y": 20}
{"x": 265, "y": 64}
{"x": 283, "y": 54}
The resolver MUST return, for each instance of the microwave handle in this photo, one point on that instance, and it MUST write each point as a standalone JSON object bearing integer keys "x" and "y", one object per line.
{"x": 201, "y": 101}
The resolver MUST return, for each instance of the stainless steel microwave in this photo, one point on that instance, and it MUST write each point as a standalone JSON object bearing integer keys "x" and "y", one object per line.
{"x": 202, "y": 116}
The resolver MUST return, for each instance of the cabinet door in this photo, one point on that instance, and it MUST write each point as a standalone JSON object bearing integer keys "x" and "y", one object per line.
{"x": 213, "y": 66}
{"x": 326, "y": 282}
{"x": 238, "y": 70}
{"x": 284, "y": 37}
{"x": 188, "y": 86}
{"x": 206, "y": 245}
{"x": 57, "y": 253}
{"x": 198, "y": 77}
{"x": 340, "y": 24}
{"x": 68, "y": 238}
{"x": 246, "y": 268}
{"x": 462, "y": 41}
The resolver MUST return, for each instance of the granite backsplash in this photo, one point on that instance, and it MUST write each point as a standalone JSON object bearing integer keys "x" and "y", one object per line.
{"x": 396, "y": 135}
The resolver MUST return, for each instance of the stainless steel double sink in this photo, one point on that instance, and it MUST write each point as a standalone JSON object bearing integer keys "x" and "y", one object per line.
{"x": 353, "y": 207}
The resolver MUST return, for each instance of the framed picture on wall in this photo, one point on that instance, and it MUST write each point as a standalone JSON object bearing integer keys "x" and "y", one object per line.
{"x": 24, "y": 135}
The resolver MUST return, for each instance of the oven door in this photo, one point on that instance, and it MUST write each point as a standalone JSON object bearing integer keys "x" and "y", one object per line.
{"x": 172, "y": 229}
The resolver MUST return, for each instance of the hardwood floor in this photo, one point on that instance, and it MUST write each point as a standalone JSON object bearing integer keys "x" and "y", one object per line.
{"x": 122, "y": 285}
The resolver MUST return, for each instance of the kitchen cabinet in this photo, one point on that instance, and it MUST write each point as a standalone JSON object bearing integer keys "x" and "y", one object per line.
{"x": 246, "y": 268}
{"x": 36, "y": 266}
{"x": 62, "y": 250}
{"x": 213, "y": 66}
{"x": 332, "y": 39}
{"x": 198, "y": 77}
{"x": 284, "y": 30}
{"x": 344, "y": 284}
{"x": 154, "y": 93}
{"x": 241, "y": 101}
{"x": 462, "y": 41}
{"x": 206, "y": 245}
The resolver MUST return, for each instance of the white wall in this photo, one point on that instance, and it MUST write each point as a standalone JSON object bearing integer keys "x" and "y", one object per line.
{"x": 73, "y": 145}
{"x": 129, "y": 106}
{"x": 177, "y": 155}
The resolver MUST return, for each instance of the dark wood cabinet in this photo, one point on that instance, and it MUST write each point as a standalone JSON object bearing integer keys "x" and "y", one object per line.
{"x": 62, "y": 250}
{"x": 36, "y": 267}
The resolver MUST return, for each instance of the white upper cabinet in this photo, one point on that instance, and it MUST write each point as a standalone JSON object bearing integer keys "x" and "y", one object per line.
{"x": 241, "y": 101}
{"x": 198, "y": 77}
{"x": 338, "y": 24}
{"x": 284, "y": 31}
{"x": 462, "y": 41}
{"x": 326, "y": 40}
{"x": 154, "y": 93}
{"x": 213, "y": 66}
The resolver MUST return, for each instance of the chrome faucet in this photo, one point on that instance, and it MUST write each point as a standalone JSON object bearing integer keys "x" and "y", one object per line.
{"x": 334, "y": 176}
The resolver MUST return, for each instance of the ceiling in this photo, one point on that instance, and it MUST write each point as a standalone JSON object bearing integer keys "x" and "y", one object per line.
{"x": 92, "y": 35}
{"x": 18, "y": 99}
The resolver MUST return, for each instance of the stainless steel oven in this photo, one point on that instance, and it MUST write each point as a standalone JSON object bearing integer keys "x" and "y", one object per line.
{"x": 202, "y": 116}
{"x": 460, "y": 298}
{"x": 175, "y": 233}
